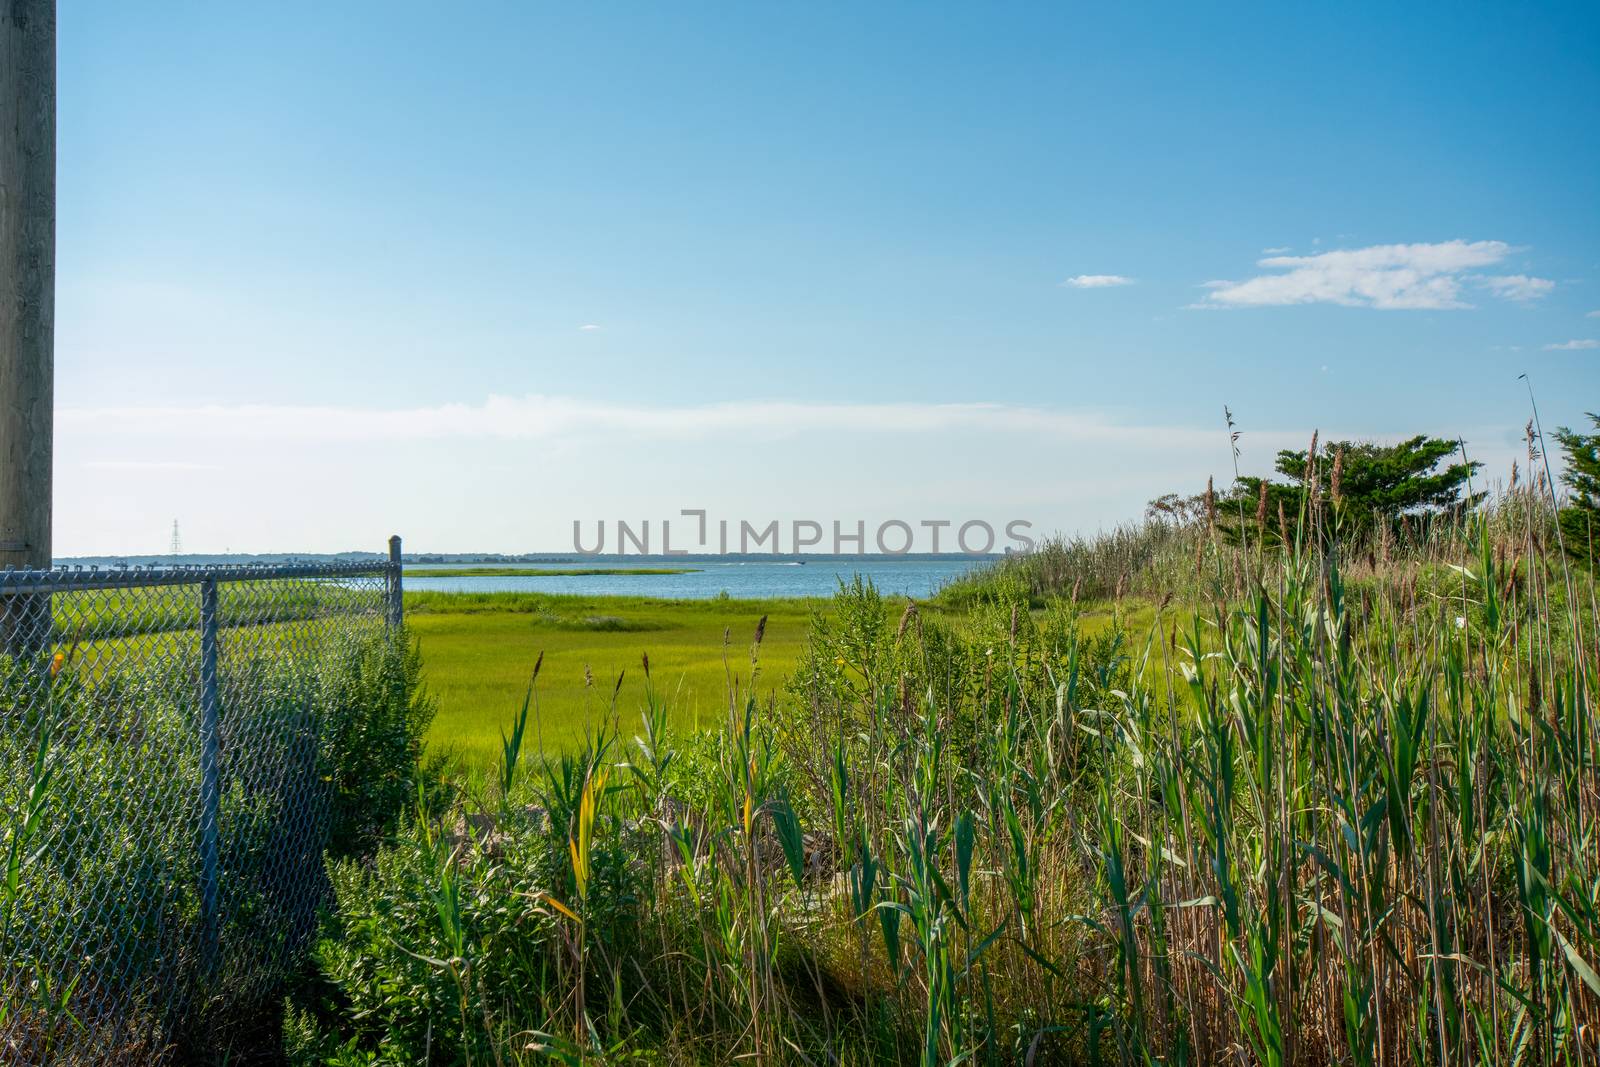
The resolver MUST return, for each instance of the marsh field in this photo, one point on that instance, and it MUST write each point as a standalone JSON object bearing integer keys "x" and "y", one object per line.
{"x": 1252, "y": 781}
{"x": 479, "y": 651}
{"x": 1267, "y": 777}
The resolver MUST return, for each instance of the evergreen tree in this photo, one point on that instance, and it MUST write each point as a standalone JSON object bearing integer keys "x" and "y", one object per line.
{"x": 1368, "y": 483}
{"x": 1580, "y": 518}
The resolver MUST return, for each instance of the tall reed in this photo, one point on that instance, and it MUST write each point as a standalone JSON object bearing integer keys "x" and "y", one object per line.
{"x": 1308, "y": 807}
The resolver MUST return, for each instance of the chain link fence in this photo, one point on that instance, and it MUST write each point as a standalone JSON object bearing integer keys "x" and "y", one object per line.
{"x": 167, "y": 789}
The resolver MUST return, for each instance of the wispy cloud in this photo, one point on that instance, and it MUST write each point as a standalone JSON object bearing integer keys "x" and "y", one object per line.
{"x": 1517, "y": 286}
{"x": 1593, "y": 315}
{"x": 147, "y": 465}
{"x": 1275, "y": 251}
{"x": 543, "y": 417}
{"x": 439, "y": 472}
{"x": 589, "y": 327}
{"x": 1573, "y": 346}
{"x": 1097, "y": 281}
{"x": 1402, "y": 276}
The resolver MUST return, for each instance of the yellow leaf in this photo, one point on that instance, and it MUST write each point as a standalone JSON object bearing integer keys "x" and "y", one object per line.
{"x": 562, "y": 908}
{"x": 580, "y": 872}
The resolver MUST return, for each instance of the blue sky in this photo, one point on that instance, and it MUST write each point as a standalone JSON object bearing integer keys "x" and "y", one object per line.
{"x": 470, "y": 275}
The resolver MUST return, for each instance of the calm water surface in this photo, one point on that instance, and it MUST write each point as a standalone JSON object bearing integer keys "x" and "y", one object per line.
{"x": 742, "y": 579}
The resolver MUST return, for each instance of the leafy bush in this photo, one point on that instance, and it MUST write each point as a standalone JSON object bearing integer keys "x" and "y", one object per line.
{"x": 455, "y": 939}
{"x": 101, "y": 933}
{"x": 377, "y": 714}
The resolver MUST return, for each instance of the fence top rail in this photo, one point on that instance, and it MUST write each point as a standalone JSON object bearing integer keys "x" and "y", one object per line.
{"x": 19, "y": 582}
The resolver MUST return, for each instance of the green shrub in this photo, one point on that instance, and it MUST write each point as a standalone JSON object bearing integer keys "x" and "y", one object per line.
{"x": 377, "y": 713}
{"x": 100, "y": 919}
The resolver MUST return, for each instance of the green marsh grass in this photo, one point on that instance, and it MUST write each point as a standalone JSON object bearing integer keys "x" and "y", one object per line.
{"x": 479, "y": 650}
{"x": 1321, "y": 804}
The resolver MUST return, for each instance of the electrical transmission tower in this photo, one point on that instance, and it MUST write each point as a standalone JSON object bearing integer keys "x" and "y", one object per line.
{"x": 177, "y": 540}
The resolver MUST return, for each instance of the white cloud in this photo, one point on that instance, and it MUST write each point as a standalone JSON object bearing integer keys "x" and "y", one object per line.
{"x": 1517, "y": 286}
{"x": 1275, "y": 251}
{"x": 1593, "y": 315}
{"x": 147, "y": 465}
{"x": 589, "y": 326}
{"x": 1414, "y": 276}
{"x": 512, "y": 473}
{"x": 1097, "y": 281}
{"x": 537, "y": 417}
{"x": 1573, "y": 346}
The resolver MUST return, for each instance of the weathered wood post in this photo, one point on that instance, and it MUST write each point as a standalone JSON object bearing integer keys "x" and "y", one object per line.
{"x": 27, "y": 301}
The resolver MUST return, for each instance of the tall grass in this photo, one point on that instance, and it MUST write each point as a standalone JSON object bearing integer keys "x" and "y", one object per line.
{"x": 1317, "y": 806}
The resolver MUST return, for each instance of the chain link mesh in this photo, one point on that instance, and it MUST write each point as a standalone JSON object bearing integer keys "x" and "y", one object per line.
{"x": 164, "y": 791}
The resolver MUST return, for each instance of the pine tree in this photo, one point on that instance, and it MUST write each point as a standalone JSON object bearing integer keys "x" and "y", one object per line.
{"x": 1369, "y": 483}
{"x": 1580, "y": 517}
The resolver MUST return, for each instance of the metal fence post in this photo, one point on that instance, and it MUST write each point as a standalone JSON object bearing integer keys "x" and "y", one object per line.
{"x": 210, "y": 775}
{"x": 397, "y": 611}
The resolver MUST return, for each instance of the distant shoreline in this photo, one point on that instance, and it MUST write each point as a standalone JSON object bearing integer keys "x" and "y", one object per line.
{"x": 447, "y": 571}
{"x": 570, "y": 559}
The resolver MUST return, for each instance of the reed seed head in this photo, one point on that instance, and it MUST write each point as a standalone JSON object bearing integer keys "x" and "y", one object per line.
{"x": 905, "y": 619}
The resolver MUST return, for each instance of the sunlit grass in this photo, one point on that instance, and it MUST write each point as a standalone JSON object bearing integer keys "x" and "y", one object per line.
{"x": 1326, "y": 803}
{"x": 479, "y": 650}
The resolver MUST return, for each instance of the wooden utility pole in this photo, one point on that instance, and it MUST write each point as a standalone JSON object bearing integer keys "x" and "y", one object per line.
{"x": 27, "y": 276}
